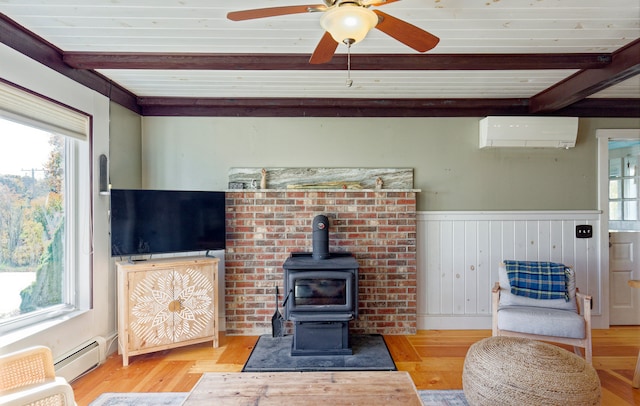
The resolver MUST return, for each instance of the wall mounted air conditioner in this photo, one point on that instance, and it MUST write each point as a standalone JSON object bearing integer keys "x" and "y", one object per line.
{"x": 523, "y": 131}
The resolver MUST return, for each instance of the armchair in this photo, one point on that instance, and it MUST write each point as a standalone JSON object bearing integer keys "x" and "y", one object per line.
{"x": 27, "y": 377}
{"x": 553, "y": 320}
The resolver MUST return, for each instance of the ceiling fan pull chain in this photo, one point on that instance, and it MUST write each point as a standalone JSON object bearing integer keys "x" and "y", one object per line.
{"x": 349, "y": 81}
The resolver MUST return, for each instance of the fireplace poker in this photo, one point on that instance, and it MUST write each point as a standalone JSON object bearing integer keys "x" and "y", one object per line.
{"x": 286, "y": 299}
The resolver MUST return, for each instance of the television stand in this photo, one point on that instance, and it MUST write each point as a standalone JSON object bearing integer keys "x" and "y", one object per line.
{"x": 166, "y": 303}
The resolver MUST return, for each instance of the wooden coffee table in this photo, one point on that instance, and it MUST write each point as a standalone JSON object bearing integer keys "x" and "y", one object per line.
{"x": 305, "y": 388}
{"x": 636, "y": 375}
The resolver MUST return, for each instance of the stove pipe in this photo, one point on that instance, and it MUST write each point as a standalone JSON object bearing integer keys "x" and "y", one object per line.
{"x": 320, "y": 237}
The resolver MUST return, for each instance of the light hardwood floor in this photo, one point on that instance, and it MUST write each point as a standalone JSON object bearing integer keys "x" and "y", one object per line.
{"x": 434, "y": 358}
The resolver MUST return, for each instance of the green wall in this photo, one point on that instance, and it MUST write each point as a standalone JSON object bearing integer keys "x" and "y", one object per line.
{"x": 125, "y": 148}
{"x": 451, "y": 171}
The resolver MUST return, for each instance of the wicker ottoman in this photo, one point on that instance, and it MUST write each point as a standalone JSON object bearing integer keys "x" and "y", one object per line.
{"x": 520, "y": 371}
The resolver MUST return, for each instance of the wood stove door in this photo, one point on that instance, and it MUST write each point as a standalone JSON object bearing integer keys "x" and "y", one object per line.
{"x": 320, "y": 291}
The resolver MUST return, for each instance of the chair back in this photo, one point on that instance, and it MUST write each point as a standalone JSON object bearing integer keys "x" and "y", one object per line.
{"x": 509, "y": 299}
{"x": 26, "y": 367}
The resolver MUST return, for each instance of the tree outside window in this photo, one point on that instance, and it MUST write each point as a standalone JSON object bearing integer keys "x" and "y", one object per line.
{"x": 32, "y": 220}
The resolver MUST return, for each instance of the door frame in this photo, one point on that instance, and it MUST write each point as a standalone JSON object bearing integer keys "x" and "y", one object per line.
{"x": 603, "y": 136}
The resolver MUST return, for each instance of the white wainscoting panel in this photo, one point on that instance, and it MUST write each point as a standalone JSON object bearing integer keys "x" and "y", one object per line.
{"x": 459, "y": 253}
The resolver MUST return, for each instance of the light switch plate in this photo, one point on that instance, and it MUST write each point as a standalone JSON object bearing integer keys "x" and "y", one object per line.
{"x": 584, "y": 231}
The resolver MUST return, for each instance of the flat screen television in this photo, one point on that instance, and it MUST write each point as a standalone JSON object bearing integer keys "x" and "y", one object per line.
{"x": 145, "y": 222}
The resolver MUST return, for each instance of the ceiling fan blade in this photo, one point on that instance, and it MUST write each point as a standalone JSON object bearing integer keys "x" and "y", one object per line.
{"x": 408, "y": 34}
{"x": 325, "y": 50}
{"x": 377, "y": 3}
{"x": 273, "y": 11}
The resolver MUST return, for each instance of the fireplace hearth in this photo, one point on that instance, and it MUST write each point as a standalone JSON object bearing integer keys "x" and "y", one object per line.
{"x": 323, "y": 296}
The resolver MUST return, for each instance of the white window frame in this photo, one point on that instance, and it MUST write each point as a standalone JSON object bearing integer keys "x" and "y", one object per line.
{"x": 43, "y": 113}
{"x": 625, "y": 223}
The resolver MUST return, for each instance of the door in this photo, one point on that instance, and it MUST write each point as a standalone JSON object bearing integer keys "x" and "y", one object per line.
{"x": 624, "y": 229}
{"x": 624, "y": 264}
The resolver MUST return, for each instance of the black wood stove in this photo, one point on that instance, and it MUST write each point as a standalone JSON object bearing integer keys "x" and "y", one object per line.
{"x": 323, "y": 296}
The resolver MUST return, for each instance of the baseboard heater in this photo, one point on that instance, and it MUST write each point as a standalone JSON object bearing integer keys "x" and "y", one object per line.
{"x": 81, "y": 360}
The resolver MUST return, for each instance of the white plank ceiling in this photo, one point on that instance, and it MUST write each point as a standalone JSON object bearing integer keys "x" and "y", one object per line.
{"x": 463, "y": 26}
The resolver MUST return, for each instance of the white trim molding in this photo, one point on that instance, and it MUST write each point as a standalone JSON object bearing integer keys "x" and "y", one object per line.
{"x": 603, "y": 136}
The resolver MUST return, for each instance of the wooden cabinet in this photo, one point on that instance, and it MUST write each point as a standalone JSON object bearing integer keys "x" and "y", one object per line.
{"x": 166, "y": 303}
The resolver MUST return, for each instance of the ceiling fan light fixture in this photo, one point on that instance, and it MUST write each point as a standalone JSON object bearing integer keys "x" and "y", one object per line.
{"x": 348, "y": 23}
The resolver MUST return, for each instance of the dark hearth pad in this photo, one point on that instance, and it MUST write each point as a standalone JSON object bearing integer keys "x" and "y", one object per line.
{"x": 273, "y": 354}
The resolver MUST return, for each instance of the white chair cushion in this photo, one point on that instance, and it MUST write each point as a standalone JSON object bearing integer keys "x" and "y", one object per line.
{"x": 509, "y": 299}
{"x": 536, "y": 320}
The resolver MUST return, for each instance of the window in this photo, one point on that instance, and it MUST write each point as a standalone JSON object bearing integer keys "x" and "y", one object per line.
{"x": 624, "y": 184}
{"x": 39, "y": 207}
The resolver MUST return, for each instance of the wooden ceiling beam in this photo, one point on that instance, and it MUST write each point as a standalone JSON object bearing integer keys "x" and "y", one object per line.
{"x": 312, "y": 107}
{"x": 322, "y": 107}
{"x": 375, "y": 62}
{"x": 625, "y": 63}
{"x": 601, "y": 107}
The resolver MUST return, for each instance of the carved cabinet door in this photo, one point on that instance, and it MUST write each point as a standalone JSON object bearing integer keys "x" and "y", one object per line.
{"x": 170, "y": 305}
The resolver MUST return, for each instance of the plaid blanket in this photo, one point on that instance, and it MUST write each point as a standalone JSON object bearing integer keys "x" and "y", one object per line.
{"x": 538, "y": 280}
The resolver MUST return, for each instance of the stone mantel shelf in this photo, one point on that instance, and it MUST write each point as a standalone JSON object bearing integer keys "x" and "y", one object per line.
{"x": 325, "y": 178}
{"x": 322, "y": 190}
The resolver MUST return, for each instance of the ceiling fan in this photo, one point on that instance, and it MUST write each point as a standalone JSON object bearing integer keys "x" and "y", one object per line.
{"x": 348, "y": 22}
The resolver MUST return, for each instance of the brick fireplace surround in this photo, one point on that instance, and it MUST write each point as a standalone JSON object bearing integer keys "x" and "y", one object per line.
{"x": 377, "y": 226}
